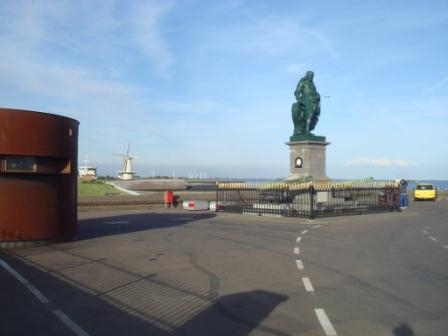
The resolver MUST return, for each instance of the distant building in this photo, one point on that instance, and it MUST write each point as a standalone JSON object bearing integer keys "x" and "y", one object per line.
{"x": 87, "y": 173}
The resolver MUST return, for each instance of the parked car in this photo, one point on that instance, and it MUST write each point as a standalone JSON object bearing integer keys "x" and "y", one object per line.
{"x": 425, "y": 191}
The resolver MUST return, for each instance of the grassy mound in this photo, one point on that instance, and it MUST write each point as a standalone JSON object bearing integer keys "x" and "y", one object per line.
{"x": 96, "y": 188}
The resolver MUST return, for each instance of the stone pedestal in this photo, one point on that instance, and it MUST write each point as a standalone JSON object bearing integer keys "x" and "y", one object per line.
{"x": 307, "y": 159}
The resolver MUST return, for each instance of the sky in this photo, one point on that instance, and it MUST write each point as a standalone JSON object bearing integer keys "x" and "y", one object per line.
{"x": 206, "y": 87}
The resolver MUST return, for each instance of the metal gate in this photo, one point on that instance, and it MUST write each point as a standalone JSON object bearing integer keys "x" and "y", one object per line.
{"x": 309, "y": 199}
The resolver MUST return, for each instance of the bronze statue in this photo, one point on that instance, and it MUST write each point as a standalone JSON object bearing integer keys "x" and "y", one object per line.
{"x": 305, "y": 113}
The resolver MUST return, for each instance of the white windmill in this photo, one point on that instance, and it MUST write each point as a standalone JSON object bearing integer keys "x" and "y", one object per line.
{"x": 126, "y": 173}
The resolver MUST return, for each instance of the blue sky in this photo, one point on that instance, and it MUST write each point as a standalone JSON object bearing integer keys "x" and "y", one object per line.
{"x": 201, "y": 86}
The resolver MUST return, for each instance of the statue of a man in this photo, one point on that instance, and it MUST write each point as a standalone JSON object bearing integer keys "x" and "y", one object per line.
{"x": 305, "y": 113}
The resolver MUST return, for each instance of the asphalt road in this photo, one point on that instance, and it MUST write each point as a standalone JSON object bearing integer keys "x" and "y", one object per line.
{"x": 174, "y": 272}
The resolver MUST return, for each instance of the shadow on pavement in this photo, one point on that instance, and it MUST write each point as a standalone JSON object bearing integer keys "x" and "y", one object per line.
{"x": 122, "y": 224}
{"x": 403, "y": 330}
{"x": 236, "y": 314}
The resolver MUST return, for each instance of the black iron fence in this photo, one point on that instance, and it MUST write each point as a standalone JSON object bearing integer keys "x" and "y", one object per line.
{"x": 309, "y": 199}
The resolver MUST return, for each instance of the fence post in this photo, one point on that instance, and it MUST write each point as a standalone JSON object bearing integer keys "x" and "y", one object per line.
{"x": 311, "y": 192}
{"x": 391, "y": 199}
{"x": 217, "y": 195}
{"x": 395, "y": 198}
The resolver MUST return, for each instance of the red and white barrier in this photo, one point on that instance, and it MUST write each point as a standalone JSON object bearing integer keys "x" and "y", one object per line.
{"x": 195, "y": 205}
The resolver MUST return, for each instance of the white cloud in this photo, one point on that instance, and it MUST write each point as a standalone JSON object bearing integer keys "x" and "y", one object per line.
{"x": 204, "y": 107}
{"x": 380, "y": 162}
{"x": 324, "y": 42}
{"x": 84, "y": 33}
{"x": 297, "y": 68}
{"x": 146, "y": 30}
{"x": 437, "y": 86}
{"x": 68, "y": 83}
{"x": 270, "y": 36}
{"x": 74, "y": 56}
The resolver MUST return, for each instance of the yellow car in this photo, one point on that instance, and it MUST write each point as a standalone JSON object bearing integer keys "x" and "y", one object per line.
{"x": 425, "y": 191}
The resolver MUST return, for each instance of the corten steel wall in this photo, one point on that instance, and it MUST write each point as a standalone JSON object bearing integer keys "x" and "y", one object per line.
{"x": 38, "y": 176}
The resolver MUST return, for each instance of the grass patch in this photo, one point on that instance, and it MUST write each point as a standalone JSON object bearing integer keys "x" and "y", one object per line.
{"x": 96, "y": 188}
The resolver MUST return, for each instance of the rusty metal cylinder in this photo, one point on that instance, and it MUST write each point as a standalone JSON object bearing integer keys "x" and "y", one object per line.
{"x": 38, "y": 176}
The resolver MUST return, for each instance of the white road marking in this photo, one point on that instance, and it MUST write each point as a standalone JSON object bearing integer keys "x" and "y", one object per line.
{"x": 271, "y": 215}
{"x": 37, "y": 293}
{"x": 308, "y": 285}
{"x": 180, "y": 219}
{"x": 118, "y": 222}
{"x": 77, "y": 330}
{"x": 316, "y": 226}
{"x": 425, "y": 232}
{"x": 304, "y": 232}
{"x": 299, "y": 239}
{"x": 299, "y": 264}
{"x": 445, "y": 246}
{"x": 433, "y": 238}
{"x": 325, "y": 322}
{"x": 426, "y": 228}
{"x": 296, "y": 250}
